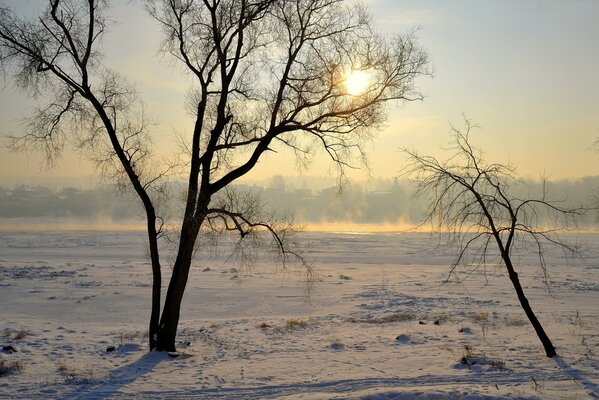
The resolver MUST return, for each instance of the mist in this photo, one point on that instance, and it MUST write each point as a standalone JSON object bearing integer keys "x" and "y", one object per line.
{"x": 319, "y": 204}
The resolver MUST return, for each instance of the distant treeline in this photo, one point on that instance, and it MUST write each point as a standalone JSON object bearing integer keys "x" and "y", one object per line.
{"x": 375, "y": 202}
{"x": 39, "y": 201}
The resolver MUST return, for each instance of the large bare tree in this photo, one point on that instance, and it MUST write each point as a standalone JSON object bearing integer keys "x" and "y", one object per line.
{"x": 471, "y": 201}
{"x": 264, "y": 74}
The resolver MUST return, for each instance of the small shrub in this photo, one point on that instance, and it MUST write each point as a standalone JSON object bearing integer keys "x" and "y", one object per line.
{"x": 397, "y": 317}
{"x": 498, "y": 364}
{"x": 515, "y": 321}
{"x": 22, "y": 334}
{"x": 385, "y": 319}
{"x": 62, "y": 366}
{"x": 293, "y": 324}
{"x": 484, "y": 329}
{"x": 538, "y": 387}
{"x": 72, "y": 375}
{"x": 466, "y": 355}
{"x": 8, "y": 367}
{"x": 264, "y": 325}
{"x": 440, "y": 319}
{"x": 480, "y": 317}
{"x": 469, "y": 357}
{"x": 79, "y": 377}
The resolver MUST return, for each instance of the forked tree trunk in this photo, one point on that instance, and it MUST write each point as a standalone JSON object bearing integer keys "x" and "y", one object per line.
{"x": 169, "y": 321}
{"x": 547, "y": 345}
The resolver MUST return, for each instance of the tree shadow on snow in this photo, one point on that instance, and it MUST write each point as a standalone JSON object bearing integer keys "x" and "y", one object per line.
{"x": 592, "y": 388}
{"x": 119, "y": 378}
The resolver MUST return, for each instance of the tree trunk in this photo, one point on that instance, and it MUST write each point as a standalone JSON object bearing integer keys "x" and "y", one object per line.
{"x": 150, "y": 216}
{"x": 548, "y": 346}
{"x": 156, "y": 284}
{"x": 169, "y": 321}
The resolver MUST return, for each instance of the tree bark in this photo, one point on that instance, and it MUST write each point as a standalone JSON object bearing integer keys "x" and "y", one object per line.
{"x": 169, "y": 321}
{"x": 156, "y": 283}
{"x": 547, "y": 345}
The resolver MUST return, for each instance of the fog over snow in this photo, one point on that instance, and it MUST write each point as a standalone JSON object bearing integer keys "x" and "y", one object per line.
{"x": 310, "y": 201}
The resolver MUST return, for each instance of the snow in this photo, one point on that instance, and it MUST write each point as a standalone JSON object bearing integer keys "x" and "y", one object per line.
{"x": 379, "y": 323}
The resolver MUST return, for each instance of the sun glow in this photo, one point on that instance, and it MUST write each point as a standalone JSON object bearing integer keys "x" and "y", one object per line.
{"x": 357, "y": 82}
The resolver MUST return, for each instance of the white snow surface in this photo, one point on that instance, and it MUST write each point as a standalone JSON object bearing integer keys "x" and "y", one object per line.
{"x": 381, "y": 322}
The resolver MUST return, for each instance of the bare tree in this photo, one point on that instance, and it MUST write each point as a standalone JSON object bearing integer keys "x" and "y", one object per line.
{"x": 471, "y": 200}
{"x": 264, "y": 74}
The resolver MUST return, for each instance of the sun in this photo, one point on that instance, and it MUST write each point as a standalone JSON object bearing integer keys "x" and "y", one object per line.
{"x": 357, "y": 82}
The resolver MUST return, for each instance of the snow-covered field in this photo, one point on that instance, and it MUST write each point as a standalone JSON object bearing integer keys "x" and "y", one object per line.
{"x": 379, "y": 323}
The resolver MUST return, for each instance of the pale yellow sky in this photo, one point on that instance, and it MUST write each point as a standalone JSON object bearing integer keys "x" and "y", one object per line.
{"x": 524, "y": 71}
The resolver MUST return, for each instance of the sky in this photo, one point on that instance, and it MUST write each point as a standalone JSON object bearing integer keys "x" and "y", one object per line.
{"x": 524, "y": 71}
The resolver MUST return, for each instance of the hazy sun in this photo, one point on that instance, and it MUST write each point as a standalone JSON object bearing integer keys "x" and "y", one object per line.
{"x": 357, "y": 82}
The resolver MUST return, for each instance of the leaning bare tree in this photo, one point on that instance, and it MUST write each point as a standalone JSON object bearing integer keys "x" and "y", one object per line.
{"x": 472, "y": 200}
{"x": 264, "y": 74}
